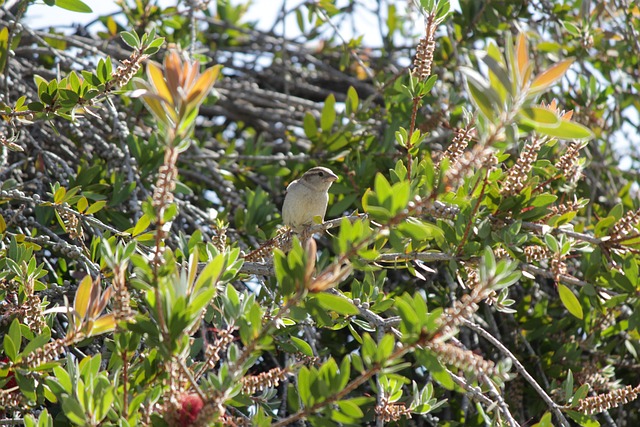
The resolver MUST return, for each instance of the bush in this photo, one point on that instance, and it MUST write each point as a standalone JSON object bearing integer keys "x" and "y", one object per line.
{"x": 483, "y": 246}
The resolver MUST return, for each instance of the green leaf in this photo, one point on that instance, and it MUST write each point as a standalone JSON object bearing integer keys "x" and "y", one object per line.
{"x": 499, "y": 78}
{"x": 352, "y": 100}
{"x": 37, "y": 342}
{"x": 350, "y": 409}
{"x": 14, "y": 330}
{"x": 538, "y": 116}
{"x": 310, "y": 126}
{"x": 570, "y": 301}
{"x": 580, "y": 394}
{"x": 571, "y": 28}
{"x": 328, "y": 117}
{"x": 73, "y": 411}
{"x": 337, "y": 304}
{"x": 74, "y": 6}
{"x": 130, "y": 38}
{"x": 482, "y": 94}
{"x": 385, "y": 348}
{"x": 59, "y": 195}
{"x": 10, "y": 348}
{"x": 302, "y": 346}
{"x": 304, "y": 386}
{"x": 420, "y": 230}
{"x": 543, "y": 200}
{"x": 565, "y": 130}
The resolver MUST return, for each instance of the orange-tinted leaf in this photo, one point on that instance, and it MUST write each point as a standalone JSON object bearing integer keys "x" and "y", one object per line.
{"x": 189, "y": 74}
{"x": 104, "y": 300}
{"x": 549, "y": 77}
{"x": 202, "y": 87}
{"x": 522, "y": 54}
{"x": 83, "y": 295}
{"x": 156, "y": 77}
{"x": 173, "y": 72}
{"x": 153, "y": 101}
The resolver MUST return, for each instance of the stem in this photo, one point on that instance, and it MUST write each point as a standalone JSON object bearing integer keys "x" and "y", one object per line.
{"x": 504, "y": 350}
{"x": 473, "y": 214}
{"x": 412, "y": 128}
{"x": 125, "y": 378}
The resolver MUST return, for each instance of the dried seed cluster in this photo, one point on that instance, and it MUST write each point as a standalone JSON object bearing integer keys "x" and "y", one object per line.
{"x": 389, "y": 411}
{"x": 166, "y": 182}
{"x": 122, "y": 298}
{"x": 568, "y": 163}
{"x": 271, "y": 378}
{"x": 465, "y": 307}
{"x": 424, "y": 51}
{"x": 471, "y": 160}
{"x": 212, "y": 352}
{"x": 625, "y": 225}
{"x": 536, "y": 253}
{"x": 128, "y": 68}
{"x": 518, "y": 174}
{"x": 47, "y": 353}
{"x": 463, "y": 359}
{"x": 71, "y": 223}
{"x": 459, "y": 144}
{"x": 603, "y": 402}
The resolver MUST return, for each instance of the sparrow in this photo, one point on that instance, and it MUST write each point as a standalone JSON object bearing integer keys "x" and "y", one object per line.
{"x": 307, "y": 198}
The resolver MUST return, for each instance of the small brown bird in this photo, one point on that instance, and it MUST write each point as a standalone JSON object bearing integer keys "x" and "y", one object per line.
{"x": 307, "y": 198}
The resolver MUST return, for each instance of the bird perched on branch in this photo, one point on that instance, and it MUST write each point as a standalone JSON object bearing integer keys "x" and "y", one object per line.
{"x": 307, "y": 198}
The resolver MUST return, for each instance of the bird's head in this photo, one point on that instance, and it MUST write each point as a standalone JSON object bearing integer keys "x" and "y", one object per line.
{"x": 319, "y": 178}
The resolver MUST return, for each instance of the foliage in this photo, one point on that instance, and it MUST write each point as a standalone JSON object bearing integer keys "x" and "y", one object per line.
{"x": 485, "y": 246}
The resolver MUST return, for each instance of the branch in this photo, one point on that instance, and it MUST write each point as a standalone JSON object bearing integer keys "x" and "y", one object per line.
{"x": 504, "y": 350}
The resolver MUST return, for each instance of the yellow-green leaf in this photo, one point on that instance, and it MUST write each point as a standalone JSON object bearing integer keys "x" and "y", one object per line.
{"x": 82, "y": 295}
{"x": 141, "y": 225}
{"x": 82, "y": 205}
{"x": 535, "y": 116}
{"x": 156, "y": 77}
{"x": 96, "y": 207}
{"x": 59, "y": 195}
{"x": 565, "y": 130}
{"x": 570, "y": 301}
{"x": 104, "y": 324}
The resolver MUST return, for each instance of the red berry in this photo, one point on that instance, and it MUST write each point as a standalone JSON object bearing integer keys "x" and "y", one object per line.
{"x": 190, "y": 407}
{"x": 12, "y": 382}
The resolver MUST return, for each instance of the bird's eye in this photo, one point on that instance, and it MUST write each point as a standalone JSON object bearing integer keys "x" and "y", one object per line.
{"x": 321, "y": 173}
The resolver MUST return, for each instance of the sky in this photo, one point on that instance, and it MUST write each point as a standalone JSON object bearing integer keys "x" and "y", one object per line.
{"x": 40, "y": 15}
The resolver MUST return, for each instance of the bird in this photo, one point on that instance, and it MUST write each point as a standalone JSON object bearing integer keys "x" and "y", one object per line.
{"x": 307, "y": 197}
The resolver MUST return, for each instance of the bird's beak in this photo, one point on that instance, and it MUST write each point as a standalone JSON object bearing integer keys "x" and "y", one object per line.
{"x": 333, "y": 177}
